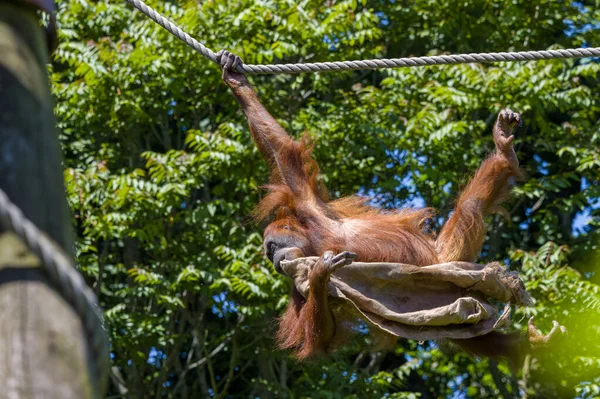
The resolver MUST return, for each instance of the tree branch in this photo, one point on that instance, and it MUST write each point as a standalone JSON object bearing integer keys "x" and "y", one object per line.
{"x": 497, "y": 376}
{"x": 200, "y": 362}
{"x": 523, "y": 382}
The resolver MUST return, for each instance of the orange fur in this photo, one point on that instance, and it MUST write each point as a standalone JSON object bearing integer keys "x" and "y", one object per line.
{"x": 462, "y": 236}
{"x": 290, "y": 335}
{"x": 375, "y": 235}
{"x": 307, "y": 223}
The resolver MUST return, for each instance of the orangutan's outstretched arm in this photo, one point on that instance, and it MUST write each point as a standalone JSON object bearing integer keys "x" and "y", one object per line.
{"x": 273, "y": 142}
{"x": 462, "y": 236}
{"x": 268, "y": 135}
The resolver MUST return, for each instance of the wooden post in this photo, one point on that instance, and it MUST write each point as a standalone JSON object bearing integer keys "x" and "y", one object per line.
{"x": 43, "y": 350}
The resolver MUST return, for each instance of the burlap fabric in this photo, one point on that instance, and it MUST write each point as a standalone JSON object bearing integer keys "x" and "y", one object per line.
{"x": 450, "y": 300}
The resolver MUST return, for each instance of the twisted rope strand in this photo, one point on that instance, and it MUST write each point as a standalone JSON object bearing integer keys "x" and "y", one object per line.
{"x": 366, "y": 64}
{"x": 174, "y": 30}
{"x": 66, "y": 280}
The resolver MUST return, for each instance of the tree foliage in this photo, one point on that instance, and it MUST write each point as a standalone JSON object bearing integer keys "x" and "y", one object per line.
{"x": 162, "y": 178}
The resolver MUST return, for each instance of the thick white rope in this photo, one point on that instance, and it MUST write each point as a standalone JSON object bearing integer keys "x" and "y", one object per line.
{"x": 366, "y": 64}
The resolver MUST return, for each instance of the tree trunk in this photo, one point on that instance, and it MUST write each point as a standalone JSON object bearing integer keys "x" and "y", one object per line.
{"x": 43, "y": 351}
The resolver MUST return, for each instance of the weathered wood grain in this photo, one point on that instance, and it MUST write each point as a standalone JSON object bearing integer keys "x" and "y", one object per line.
{"x": 43, "y": 351}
